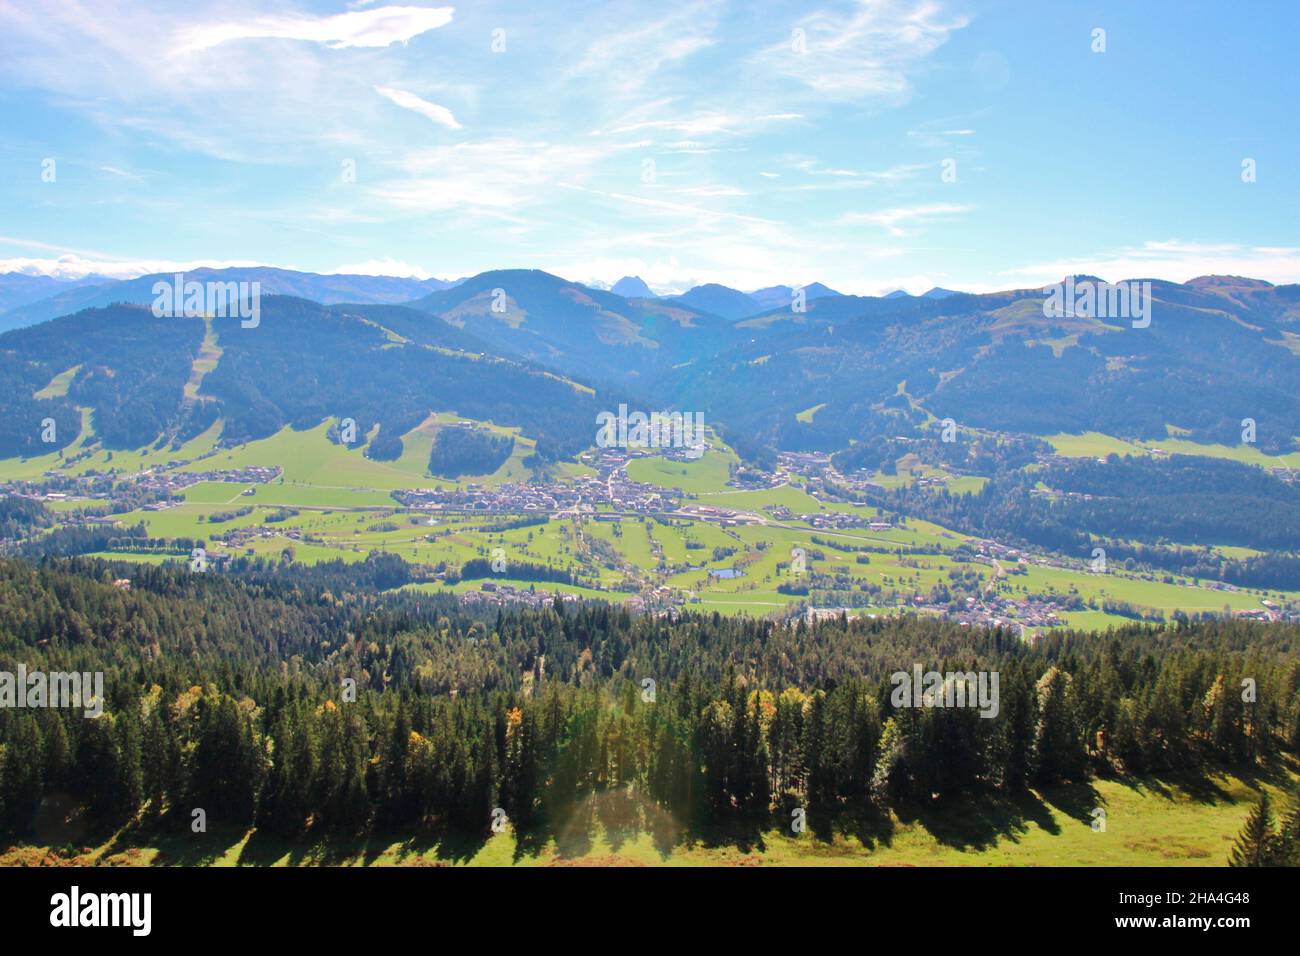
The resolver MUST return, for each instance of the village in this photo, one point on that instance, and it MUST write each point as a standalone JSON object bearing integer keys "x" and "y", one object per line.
{"x": 606, "y": 493}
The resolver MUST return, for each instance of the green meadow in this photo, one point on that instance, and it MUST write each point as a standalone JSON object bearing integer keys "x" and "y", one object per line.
{"x": 1147, "y": 822}
{"x": 1097, "y": 445}
{"x": 345, "y": 509}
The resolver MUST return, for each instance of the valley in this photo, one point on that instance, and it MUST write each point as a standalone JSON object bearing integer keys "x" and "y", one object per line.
{"x": 696, "y": 436}
{"x": 434, "y": 494}
{"x": 649, "y": 530}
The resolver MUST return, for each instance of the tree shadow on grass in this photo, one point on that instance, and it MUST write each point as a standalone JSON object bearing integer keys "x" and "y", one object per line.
{"x": 979, "y": 822}
{"x": 572, "y": 828}
{"x": 1144, "y": 783}
{"x": 264, "y": 849}
{"x": 424, "y": 845}
{"x": 871, "y": 827}
{"x": 1078, "y": 801}
{"x": 744, "y": 834}
{"x": 416, "y": 846}
{"x": 619, "y": 814}
{"x": 666, "y": 831}
{"x": 1208, "y": 788}
{"x": 1276, "y": 773}
{"x": 183, "y": 847}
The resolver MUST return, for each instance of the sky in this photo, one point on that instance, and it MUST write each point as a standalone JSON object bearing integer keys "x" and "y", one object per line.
{"x": 867, "y": 144}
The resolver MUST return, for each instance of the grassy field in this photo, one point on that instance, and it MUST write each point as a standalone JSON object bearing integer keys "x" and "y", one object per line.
{"x": 126, "y": 462}
{"x": 624, "y": 556}
{"x": 708, "y": 474}
{"x": 1097, "y": 445}
{"x": 345, "y": 510}
{"x": 1147, "y": 823}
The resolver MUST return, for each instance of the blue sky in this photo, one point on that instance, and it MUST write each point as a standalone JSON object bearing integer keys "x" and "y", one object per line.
{"x": 749, "y": 143}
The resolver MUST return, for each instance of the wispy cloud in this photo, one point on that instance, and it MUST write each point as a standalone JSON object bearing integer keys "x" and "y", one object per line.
{"x": 78, "y": 267}
{"x": 439, "y": 114}
{"x": 379, "y": 27}
{"x": 666, "y": 205}
{"x": 500, "y": 175}
{"x": 382, "y": 267}
{"x": 702, "y": 123}
{"x": 624, "y": 51}
{"x": 832, "y": 178}
{"x": 866, "y": 53}
{"x": 245, "y": 117}
{"x": 894, "y": 220}
{"x": 1174, "y": 260}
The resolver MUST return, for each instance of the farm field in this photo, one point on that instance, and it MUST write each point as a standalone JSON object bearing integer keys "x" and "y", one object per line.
{"x": 679, "y": 554}
{"x": 331, "y": 502}
{"x": 1097, "y": 445}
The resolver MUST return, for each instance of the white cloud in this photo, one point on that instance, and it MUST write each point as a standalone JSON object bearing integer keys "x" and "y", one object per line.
{"x": 865, "y": 54}
{"x": 380, "y": 27}
{"x": 230, "y": 100}
{"x": 432, "y": 111}
{"x": 74, "y": 266}
{"x": 702, "y": 123}
{"x": 856, "y": 179}
{"x": 623, "y": 58}
{"x": 382, "y": 267}
{"x": 502, "y": 177}
{"x": 712, "y": 191}
{"x": 673, "y": 207}
{"x": 1172, "y": 260}
{"x": 893, "y": 220}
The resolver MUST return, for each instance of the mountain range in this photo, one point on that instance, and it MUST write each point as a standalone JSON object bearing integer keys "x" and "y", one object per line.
{"x": 527, "y": 348}
{"x": 20, "y": 307}
{"x": 28, "y": 299}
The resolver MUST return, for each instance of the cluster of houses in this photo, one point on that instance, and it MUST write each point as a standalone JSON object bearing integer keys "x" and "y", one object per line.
{"x": 725, "y": 517}
{"x": 610, "y": 492}
{"x": 809, "y": 464}
{"x": 1269, "y": 612}
{"x": 840, "y": 520}
{"x": 995, "y": 610}
{"x": 174, "y": 482}
{"x": 503, "y": 499}
{"x": 502, "y": 595}
{"x": 162, "y": 484}
{"x": 585, "y": 496}
{"x": 241, "y": 535}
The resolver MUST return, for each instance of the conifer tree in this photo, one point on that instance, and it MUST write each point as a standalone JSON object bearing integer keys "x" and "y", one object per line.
{"x": 1256, "y": 844}
{"x": 22, "y": 778}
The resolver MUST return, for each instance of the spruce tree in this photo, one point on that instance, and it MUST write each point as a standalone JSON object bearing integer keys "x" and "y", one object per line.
{"x": 1256, "y": 844}
{"x": 22, "y": 777}
{"x": 1288, "y": 838}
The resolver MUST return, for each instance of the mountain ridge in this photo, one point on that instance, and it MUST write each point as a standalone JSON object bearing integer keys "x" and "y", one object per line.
{"x": 329, "y": 289}
{"x": 1218, "y": 350}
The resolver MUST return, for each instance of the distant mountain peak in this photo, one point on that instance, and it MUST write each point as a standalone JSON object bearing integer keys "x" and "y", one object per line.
{"x": 632, "y": 287}
{"x": 720, "y": 300}
{"x": 1236, "y": 282}
{"x": 780, "y": 296}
